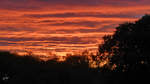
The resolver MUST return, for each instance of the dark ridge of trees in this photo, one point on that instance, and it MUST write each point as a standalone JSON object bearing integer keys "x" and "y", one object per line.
{"x": 27, "y": 69}
{"x": 129, "y": 49}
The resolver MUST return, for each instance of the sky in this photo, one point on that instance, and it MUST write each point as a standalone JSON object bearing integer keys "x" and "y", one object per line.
{"x": 63, "y": 26}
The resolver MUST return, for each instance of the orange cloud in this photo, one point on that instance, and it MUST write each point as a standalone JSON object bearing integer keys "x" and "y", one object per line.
{"x": 63, "y": 25}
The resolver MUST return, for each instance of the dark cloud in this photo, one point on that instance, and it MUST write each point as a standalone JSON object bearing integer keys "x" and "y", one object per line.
{"x": 14, "y": 39}
{"x": 16, "y": 29}
{"x": 39, "y": 4}
{"x": 92, "y": 30}
{"x": 83, "y": 14}
{"x": 58, "y": 40}
{"x": 48, "y": 21}
{"x": 18, "y": 5}
{"x": 81, "y": 23}
{"x": 3, "y": 43}
{"x": 92, "y": 2}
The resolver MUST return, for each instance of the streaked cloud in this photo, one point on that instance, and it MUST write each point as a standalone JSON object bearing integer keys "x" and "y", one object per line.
{"x": 63, "y": 25}
{"x": 82, "y": 14}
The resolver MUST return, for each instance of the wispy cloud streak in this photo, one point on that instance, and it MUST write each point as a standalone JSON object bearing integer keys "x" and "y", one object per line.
{"x": 63, "y": 25}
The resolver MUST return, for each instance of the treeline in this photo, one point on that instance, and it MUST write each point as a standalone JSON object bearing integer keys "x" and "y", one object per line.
{"x": 27, "y": 69}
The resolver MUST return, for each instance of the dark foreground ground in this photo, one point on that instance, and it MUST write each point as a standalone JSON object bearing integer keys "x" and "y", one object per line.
{"x": 28, "y": 70}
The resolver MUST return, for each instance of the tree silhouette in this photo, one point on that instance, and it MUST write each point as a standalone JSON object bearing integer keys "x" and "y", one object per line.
{"x": 128, "y": 47}
{"x": 15, "y": 69}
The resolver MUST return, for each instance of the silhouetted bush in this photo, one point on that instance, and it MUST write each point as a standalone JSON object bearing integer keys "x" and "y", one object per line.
{"x": 128, "y": 48}
{"x": 15, "y": 69}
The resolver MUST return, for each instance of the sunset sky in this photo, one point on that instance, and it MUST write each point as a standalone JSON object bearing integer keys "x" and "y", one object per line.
{"x": 63, "y": 26}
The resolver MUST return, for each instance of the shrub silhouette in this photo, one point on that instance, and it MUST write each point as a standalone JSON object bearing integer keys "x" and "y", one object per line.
{"x": 15, "y": 69}
{"x": 128, "y": 49}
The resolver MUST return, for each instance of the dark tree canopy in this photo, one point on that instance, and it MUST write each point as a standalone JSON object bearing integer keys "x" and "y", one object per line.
{"x": 129, "y": 46}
